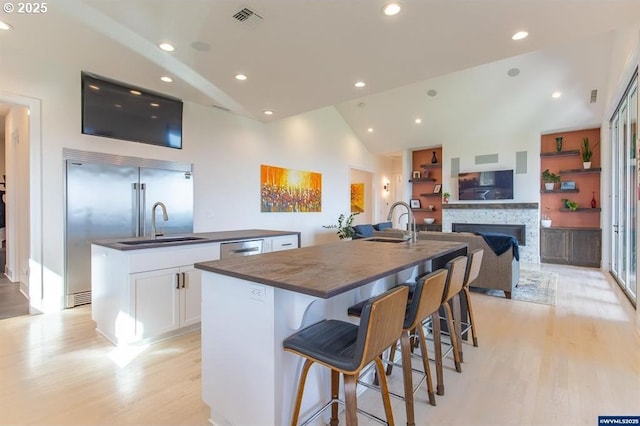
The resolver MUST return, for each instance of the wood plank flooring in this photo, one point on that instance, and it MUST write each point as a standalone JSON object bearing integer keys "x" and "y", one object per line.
{"x": 536, "y": 365}
{"x": 12, "y": 302}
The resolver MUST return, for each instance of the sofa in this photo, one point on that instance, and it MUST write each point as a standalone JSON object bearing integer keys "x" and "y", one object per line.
{"x": 499, "y": 272}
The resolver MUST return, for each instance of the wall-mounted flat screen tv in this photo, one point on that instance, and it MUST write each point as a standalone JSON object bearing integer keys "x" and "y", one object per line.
{"x": 491, "y": 185}
{"x": 119, "y": 111}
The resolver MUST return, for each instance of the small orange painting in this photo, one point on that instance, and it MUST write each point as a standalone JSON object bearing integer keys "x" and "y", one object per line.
{"x": 287, "y": 190}
{"x": 357, "y": 198}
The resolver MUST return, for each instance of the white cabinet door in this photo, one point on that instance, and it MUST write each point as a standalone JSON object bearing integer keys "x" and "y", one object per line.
{"x": 190, "y": 296}
{"x": 285, "y": 242}
{"x": 155, "y": 302}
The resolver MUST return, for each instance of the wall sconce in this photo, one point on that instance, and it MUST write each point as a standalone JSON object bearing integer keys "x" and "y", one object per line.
{"x": 386, "y": 186}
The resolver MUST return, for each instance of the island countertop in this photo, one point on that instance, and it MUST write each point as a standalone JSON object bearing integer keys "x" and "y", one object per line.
{"x": 125, "y": 243}
{"x": 327, "y": 270}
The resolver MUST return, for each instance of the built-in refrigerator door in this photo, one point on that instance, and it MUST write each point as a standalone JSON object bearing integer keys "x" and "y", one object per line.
{"x": 173, "y": 188}
{"x": 101, "y": 200}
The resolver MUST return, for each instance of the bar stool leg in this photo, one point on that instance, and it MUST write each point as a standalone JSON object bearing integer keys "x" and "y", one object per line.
{"x": 457, "y": 322}
{"x": 405, "y": 351}
{"x": 351, "y": 402}
{"x": 385, "y": 392}
{"x": 452, "y": 335}
{"x": 472, "y": 320}
{"x": 335, "y": 389}
{"x": 425, "y": 365}
{"x": 437, "y": 343}
{"x": 301, "y": 383}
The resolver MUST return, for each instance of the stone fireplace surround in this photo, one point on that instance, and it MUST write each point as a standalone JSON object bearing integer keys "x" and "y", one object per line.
{"x": 499, "y": 214}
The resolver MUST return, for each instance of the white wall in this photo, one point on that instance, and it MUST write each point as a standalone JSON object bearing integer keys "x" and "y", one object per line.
{"x": 226, "y": 151}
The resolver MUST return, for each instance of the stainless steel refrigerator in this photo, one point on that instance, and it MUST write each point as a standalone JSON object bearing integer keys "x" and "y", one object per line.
{"x": 109, "y": 196}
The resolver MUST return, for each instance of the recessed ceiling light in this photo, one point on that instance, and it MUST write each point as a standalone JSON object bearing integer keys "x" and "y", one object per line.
{"x": 135, "y": 92}
{"x": 5, "y": 26}
{"x": 432, "y": 92}
{"x": 94, "y": 87}
{"x": 155, "y": 105}
{"x": 241, "y": 77}
{"x": 556, "y": 95}
{"x": 417, "y": 121}
{"x": 154, "y": 117}
{"x": 268, "y": 112}
{"x": 167, "y": 47}
{"x": 513, "y": 72}
{"x": 166, "y": 79}
{"x": 391, "y": 9}
{"x": 117, "y": 105}
{"x": 519, "y": 35}
{"x": 360, "y": 84}
{"x": 370, "y": 130}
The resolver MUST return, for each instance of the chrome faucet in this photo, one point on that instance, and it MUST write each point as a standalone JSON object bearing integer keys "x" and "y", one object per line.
{"x": 412, "y": 219}
{"x": 165, "y": 217}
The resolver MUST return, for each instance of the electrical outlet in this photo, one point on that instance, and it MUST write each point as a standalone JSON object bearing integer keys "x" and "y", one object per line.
{"x": 257, "y": 292}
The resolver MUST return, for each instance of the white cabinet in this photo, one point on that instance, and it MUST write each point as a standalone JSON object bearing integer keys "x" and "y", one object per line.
{"x": 165, "y": 300}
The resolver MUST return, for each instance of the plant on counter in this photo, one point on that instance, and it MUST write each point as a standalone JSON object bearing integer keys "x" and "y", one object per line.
{"x": 345, "y": 230}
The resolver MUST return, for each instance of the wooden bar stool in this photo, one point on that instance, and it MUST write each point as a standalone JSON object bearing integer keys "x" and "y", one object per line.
{"x": 347, "y": 348}
{"x": 473, "y": 270}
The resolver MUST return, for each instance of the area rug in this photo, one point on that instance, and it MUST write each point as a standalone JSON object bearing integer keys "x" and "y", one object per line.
{"x": 533, "y": 286}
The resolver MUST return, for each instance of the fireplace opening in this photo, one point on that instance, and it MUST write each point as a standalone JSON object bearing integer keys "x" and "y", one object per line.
{"x": 516, "y": 231}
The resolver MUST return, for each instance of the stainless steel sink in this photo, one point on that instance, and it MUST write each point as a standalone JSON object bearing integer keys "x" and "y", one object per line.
{"x": 386, "y": 240}
{"x": 159, "y": 240}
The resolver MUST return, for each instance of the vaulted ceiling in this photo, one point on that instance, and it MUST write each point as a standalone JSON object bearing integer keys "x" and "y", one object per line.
{"x": 303, "y": 55}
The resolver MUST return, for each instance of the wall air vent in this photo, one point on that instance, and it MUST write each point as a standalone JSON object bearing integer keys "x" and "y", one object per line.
{"x": 221, "y": 107}
{"x": 245, "y": 14}
{"x": 594, "y": 96}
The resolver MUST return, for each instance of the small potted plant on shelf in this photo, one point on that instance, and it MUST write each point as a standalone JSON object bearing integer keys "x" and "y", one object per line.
{"x": 571, "y": 205}
{"x": 549, "y": 179}
{"x": 345, "y": 230}
{"x": 587, "y": 152}
{"x": 546, "y": 220}
{"x": 445, "y": 197}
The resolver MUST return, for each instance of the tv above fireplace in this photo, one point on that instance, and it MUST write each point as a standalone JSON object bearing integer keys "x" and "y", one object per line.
{"x": 489, "y": 185}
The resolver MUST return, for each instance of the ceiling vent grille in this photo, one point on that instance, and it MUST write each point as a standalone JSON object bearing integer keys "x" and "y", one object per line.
{"x": 594, "y": 96}
{"x": 221, "y": 107}
{"x": 245, "y": 14}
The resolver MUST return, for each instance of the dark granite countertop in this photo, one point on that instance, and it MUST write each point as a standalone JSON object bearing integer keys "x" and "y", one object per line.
{"x": 330, "y": 269}
{"x": 139, "y": 243}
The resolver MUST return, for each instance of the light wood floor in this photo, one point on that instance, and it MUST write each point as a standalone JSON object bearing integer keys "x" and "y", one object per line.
{"x": 536, "y": 365}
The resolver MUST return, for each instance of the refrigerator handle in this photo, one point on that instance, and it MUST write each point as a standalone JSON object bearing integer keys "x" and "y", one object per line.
{"x": 136, "y": 202}
{"x": 143, "y": 209}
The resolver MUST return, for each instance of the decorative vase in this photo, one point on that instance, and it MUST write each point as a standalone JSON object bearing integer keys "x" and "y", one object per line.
{"x": 434, "y": 159}
{"x": 559, "y": 144}
{"x": 546, "y": 223}
{"x": 586, "y": 164}
{"x": 593, "y": 201}
{"x": 549, "y": 186}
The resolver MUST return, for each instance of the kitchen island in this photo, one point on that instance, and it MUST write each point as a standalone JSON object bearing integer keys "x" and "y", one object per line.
{"x": 251, "y": 305}
{"x": 144, "y": 288}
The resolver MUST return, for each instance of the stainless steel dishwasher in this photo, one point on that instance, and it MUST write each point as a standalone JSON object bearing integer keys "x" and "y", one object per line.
{"x": 240, "y": 248}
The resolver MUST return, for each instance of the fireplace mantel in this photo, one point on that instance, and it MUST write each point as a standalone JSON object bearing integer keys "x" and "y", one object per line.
{"x": 482, "y": 206}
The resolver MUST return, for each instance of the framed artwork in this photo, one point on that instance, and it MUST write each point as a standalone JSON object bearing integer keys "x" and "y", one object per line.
{"x": 357, "y": 198}
{"x": 436, "y": 188}
{"x": 416, "y": 174}
{"x": 567, "y": 185}
{"x": 414, "y": 203}
{"x": 287, "y": 190}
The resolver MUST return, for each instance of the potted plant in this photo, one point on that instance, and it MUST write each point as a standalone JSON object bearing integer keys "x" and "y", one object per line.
{"x": 549, "y": 179}
{"x": 345, "y": 230}
{"x": 587, "y": 152}
{"x": 571, "y": 205}
{"x": 445, "y": 197}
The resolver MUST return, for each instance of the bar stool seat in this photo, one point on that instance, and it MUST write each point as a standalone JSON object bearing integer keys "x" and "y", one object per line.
{"x": 346, "y": 348}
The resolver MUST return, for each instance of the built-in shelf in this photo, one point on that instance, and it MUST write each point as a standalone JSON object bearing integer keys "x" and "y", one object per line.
{"x": 431, "y": 194}
{"x": 422, "y": 180}
{"x": 558, "y": 191}
{"x": 591, "y": 170}
{"x": 423, "y": 210}
{"x": 431, "y": 165}
{"x": 581, "y": 210}
{"x": 560, "y": 153}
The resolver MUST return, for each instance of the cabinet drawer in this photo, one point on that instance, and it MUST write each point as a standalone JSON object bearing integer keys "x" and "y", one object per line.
{"x": 286, "y": 242}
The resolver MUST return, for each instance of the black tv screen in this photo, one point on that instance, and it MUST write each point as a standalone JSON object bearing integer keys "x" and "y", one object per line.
{"x": 491, "y": 185}
{"x": 115, "y": 110}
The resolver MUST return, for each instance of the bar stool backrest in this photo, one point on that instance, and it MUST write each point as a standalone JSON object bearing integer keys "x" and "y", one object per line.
{"x": 473, "y": 267}
{"x": 455, "y": 280}
{"x": 426, "y": 299}
{"x": 380, "y": 325}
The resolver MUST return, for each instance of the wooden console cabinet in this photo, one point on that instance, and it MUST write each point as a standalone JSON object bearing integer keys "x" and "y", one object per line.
{"x": 571, "y": 246}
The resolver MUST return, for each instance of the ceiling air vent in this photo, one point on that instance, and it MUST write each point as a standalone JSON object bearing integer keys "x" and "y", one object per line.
{"x": 245, "y": 14}
{"x": 221, "y": 107}
{"x": 594, "y": 96}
